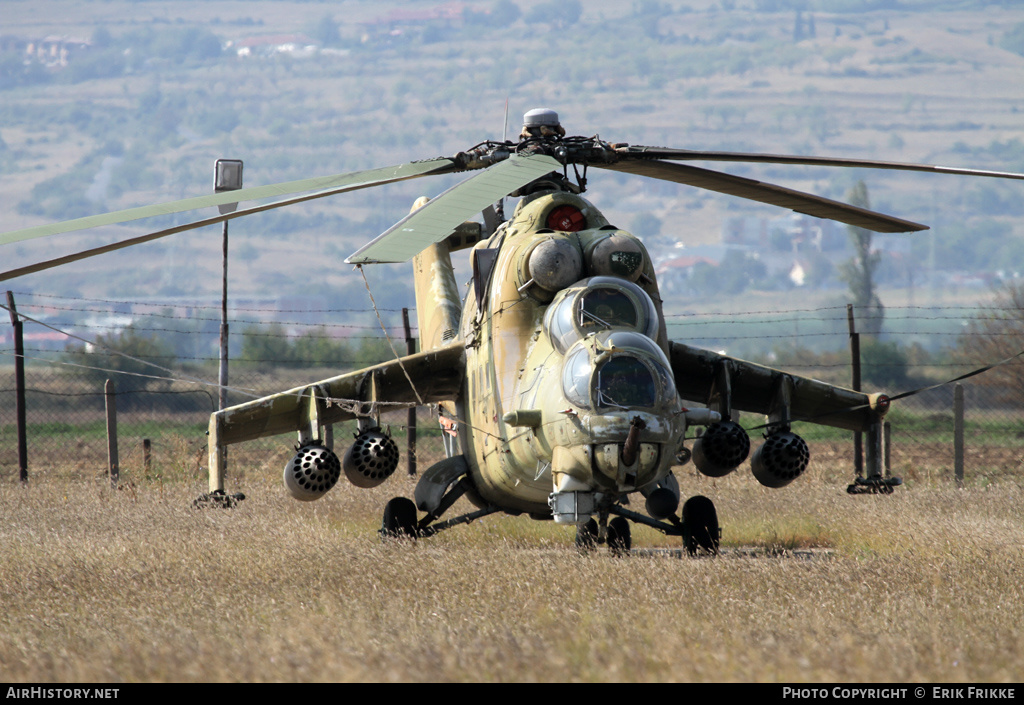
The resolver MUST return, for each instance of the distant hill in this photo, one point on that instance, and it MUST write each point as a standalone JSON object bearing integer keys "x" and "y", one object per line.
{"x": 115, "y": 104}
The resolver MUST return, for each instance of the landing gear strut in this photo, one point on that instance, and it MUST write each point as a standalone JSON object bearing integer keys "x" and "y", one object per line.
{"x": 698, "y": 526}
{"x": 400, "y": 520}
{"x": 437, "y": 490}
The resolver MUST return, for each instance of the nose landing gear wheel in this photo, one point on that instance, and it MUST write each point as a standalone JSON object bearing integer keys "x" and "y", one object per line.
{"x": 586, "y": 537}
{"x": 619, "y": 540}
{"x": 399, "y": 519}
{"x": 701, "y": 532}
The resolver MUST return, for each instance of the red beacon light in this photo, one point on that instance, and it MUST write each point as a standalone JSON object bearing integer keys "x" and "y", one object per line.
{"x": 567, "y": 219}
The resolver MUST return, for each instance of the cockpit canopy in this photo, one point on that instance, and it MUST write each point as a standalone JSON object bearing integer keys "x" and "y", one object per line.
{"x": 617, "y": 370}
{"x": 599, "y": 304}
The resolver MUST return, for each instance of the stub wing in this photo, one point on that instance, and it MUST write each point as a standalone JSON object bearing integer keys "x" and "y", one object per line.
{"x": 436, "y": 376}
{"x": 727, "y": 382}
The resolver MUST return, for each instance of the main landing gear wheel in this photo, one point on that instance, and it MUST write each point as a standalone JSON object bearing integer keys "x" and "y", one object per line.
{"x": 399, "y": 519}
{"x": 619, "y": 539}
{"x": 701, "y": 532}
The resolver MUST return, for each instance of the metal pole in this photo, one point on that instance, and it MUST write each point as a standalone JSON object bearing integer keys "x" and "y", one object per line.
{"x": 858, "y": 452}
{"x": 410, "y": 344}
{"x": 227, "y": 176}
{"x": 19, "y": 384}
{"x": 222, "y": 377}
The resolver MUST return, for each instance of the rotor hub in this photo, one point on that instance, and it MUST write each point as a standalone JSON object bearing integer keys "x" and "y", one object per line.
{"x": 541, "y": 122}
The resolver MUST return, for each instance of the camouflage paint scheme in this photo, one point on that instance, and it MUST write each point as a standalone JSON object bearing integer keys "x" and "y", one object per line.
{"x": 496, "y": 368}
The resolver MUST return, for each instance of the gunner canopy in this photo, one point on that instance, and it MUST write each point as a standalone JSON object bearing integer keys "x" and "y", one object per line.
{"x": 599, "y": 304}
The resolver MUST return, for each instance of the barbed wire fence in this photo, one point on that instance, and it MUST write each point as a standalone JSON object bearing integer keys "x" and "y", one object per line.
{"x": 162, "y": 357}
{"x": 163, "y": 410}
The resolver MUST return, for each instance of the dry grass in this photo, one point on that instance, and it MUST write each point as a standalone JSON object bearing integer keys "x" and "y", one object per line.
{"x": 134, "y": 584}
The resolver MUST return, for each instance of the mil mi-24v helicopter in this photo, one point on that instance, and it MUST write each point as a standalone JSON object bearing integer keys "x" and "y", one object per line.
{"x": 554, "y": 374}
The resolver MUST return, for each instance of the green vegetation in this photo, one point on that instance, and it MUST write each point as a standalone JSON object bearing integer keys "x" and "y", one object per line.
{"x": 128, "y": 352}
{"x": 167, "y": 85}
{"x": 920, "y": 433}
{"x": 270, "y": 347}
{"x": 787, "y": 76}
{"x": 859, "y": 272}
{"x": 996, "y": 337}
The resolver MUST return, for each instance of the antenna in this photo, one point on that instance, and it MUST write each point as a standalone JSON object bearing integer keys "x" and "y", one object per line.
{"x": 499, "y": 207}
{"x": 504, "y": 130}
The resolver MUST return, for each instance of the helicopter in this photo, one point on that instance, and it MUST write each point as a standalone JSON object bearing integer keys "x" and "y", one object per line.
{"x": 558, "y": 390}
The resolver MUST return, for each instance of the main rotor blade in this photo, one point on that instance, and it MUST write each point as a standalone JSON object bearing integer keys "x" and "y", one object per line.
{"x": 330, "y": 184}
{"x": 743, "y": 187}
{"x": 49, "y": 264}
{"x": 639, "y": 152}
{"x": 439, "y": 217}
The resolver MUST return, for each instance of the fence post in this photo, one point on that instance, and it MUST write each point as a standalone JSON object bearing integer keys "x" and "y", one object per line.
{"x": 147, "y": 455}
{"x": 19, "y": 393}
{"x": 858, "y": 453}
{"x": 958, "y": 434}
{"x": 111, "y": 403}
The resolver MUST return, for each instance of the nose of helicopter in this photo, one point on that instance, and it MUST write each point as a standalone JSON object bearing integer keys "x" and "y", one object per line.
{"x": 604, "y": 467}
{"x": 616, "y": 454}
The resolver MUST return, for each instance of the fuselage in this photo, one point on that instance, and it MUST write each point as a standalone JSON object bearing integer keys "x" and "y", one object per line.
{"x": 565, "y": 355}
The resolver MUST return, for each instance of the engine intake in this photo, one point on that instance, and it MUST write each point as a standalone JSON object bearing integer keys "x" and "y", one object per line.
{"x": 312, "y": 471}
{"x": 371, "y": 459}
{"x": 781, "y": 459}
{"x": 721, "y": 448}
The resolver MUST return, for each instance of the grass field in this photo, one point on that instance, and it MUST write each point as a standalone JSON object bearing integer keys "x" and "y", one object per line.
{"x": 134, "y": 584}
